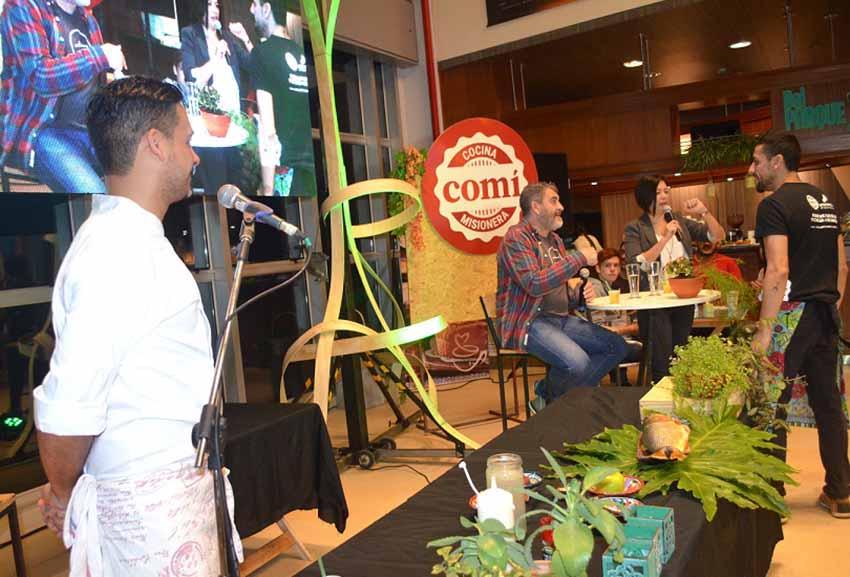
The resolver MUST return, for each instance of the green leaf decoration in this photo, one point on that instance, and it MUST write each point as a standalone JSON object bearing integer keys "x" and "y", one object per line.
{"x": 595, "y": 476}
{"x": 728, "y": 460}
{"x": 573, "y": 547}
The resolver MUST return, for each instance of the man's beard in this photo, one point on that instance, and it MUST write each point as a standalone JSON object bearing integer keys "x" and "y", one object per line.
{"x": 761, "y": 186}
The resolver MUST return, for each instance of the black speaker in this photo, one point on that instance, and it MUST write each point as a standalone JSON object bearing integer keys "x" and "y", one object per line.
{"x": 553, "y": 167}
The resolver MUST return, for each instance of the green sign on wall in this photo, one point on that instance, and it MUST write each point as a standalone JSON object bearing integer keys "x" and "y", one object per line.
{"x": 799, "y": 115}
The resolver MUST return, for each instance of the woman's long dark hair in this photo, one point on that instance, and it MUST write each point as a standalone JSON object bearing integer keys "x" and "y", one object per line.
{"x": 646, "y": 191}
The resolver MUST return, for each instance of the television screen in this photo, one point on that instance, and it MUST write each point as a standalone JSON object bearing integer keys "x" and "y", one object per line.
{"x": 242, "y": 72}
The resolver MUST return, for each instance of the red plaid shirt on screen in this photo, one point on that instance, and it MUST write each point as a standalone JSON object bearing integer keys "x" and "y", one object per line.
{"x": 523, "y": 280}
{"x": 37, "y": 71}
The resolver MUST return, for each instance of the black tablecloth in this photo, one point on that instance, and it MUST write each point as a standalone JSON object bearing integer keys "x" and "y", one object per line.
{"x": 736, "y": 542}
{"x": 280, "y": 459}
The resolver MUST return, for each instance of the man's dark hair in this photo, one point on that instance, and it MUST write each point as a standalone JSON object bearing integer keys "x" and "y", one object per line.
{"x": 646, "y": 191}
{"x": 279, "y": 10}
{"x": 121, "y": 112}
{"x": 785, "y": 144}
{"x": 533, "y": 192}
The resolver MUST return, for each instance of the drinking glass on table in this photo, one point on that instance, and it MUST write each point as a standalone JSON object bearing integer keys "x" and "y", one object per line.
{"x": 732, "y": 304}
{"x": 655, "y": 278}
{"x": 633, "y": 272}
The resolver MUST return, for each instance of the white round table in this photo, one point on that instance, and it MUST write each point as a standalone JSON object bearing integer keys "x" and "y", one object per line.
{"x": 647, "y": 302}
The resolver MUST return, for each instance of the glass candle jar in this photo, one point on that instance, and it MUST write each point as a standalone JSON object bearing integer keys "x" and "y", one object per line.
{"x": 506, "y": 468}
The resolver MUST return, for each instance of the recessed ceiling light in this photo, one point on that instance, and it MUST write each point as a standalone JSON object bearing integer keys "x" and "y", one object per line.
{"x": 677, "y": 174}
{"x": 729, "y": 179}
{"x": 594, "y": 183}
{"x": 739, "y": 45}
{"x": 633, "y": 63}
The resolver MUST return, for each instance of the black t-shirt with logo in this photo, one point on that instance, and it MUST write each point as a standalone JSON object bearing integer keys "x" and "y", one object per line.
{"x": 279, "y": 67}
{"x": 74, "y": 28}
{"x": 808, "y": 218}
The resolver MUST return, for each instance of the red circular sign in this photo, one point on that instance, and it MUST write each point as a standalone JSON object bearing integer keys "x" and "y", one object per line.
{"x": 474, "y": 174}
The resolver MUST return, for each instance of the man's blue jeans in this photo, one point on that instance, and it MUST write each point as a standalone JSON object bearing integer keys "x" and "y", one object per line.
{"x": 65, "y": 161}
{"x": 579, "y": 353}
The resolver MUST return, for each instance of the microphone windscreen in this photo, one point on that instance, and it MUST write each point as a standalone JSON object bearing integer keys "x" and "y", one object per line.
{"x": 584, "y": 273}
{"x": 227, "y": 195}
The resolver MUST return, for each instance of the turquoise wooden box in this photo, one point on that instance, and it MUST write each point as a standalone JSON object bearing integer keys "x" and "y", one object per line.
{"x": 662, "y": 516}
{"x": 642, "y": 559}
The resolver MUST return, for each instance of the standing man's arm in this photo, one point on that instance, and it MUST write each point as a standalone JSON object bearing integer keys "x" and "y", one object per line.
{"x": 773, "y": 290}
{"x": 268, "y": 139}
{"x": 842, "y": 270}
{"x": 63, "y": 459}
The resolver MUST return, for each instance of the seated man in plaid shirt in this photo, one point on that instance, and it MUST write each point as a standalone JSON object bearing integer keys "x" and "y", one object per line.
{"x": 533, "y": 301}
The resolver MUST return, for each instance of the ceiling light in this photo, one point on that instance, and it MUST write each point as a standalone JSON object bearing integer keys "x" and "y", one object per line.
{"x": 729, "y": 179}
{"x": 594, "y": 183}
{"x": 633, "y": 63}
{"x": 739, "y": 45}
{"x": 677, "y": 174}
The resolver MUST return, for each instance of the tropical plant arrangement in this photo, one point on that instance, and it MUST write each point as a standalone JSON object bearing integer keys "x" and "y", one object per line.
{"x": 727, "y": 460}
{"x": 574, "y": 516}
{"x": 705, "y": 154}
{"x": 493, "y": 552}
{"x": 409, "y": 166}
{"x": 496, "y": 552}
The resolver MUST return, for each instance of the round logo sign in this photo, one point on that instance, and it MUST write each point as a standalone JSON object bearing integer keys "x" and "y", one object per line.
{"x": 474, "y": 174}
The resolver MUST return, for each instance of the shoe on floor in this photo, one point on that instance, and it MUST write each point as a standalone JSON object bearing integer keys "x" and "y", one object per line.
{"x": 536, "y": 405}
{"x": 838, "y": 508}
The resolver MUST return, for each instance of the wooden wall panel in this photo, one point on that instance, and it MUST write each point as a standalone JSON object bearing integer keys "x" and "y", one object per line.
{"x": 617, "y": 211}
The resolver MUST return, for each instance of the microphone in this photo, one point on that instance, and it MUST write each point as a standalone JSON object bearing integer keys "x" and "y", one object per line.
{"x": 668, "y": 217}
{"x": 220, "y": 36}
{"x": 585, "y": 276}
{"x": 230, "y": 196}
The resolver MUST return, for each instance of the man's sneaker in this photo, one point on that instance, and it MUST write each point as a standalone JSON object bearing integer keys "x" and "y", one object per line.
{"x": 536, "y": 405}
{"x": 839, "y": 508}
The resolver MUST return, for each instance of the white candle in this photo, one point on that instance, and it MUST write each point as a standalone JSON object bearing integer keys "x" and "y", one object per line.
{"x": 495, "y": 503}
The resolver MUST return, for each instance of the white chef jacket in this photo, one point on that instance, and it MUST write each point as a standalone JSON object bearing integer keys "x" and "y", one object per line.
{"x": 133, "y": 361}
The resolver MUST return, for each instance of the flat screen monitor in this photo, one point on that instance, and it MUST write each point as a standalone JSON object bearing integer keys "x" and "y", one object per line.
{"x": 243, "y": 79}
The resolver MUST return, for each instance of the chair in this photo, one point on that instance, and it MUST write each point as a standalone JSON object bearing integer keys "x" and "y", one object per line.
{"x": 8, "y": 508}
{"x": 517, "y": 357}
{"x": 12, "y": 176}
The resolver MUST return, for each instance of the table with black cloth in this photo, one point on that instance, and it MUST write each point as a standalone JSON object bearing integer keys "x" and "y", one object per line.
{"x": 280, "y": 460}
{"x": 736, "y": 542}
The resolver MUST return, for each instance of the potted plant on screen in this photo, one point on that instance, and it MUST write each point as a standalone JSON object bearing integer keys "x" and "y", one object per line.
{"x": 683, "y": 282}
{"x": 215, "y": 119}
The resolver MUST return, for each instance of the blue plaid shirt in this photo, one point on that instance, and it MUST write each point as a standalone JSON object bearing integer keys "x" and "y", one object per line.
{"x": 523, "y": 280}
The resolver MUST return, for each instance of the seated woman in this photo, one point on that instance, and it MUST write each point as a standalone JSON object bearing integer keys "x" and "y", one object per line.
{"x": 651, "y": 237}
{"x": 608, "y": 268}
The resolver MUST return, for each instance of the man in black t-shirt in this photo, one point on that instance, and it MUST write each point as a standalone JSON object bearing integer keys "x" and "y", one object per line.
{"x": 804, "y": 280}
{"x": 279, "y": 71}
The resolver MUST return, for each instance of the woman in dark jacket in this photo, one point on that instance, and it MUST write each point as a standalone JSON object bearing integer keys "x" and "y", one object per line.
{"x": 651, "y": 238}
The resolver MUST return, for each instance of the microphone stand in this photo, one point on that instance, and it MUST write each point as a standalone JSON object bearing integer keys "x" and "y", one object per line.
{"x": 208, "y": 433}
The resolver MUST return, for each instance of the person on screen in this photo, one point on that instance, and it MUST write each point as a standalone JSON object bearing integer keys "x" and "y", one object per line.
{"x": 53, "y": 57}
{"x": 215, "y": 55}
{"x": 280, "y": 76}
{"x": 133, "y": 365}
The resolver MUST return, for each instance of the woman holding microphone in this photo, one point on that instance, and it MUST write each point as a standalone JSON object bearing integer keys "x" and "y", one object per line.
{"x": 655, "y": 236}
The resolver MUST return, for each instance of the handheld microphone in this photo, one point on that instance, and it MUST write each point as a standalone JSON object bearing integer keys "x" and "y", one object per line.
{"x": 668, "y": 217}
{"x": 585, "y": 276}
{"x": 220, "y": 36}
{"x": 230, "y": 196}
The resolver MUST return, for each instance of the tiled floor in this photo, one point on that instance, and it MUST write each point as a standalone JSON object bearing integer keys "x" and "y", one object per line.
{"x": 815, "y": 544}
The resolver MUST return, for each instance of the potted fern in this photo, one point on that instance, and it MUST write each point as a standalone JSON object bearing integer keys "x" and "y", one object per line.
{"x": 709, "y": 371}
{"x": 683, "y": 282}
{"x": 215, "y": 119}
